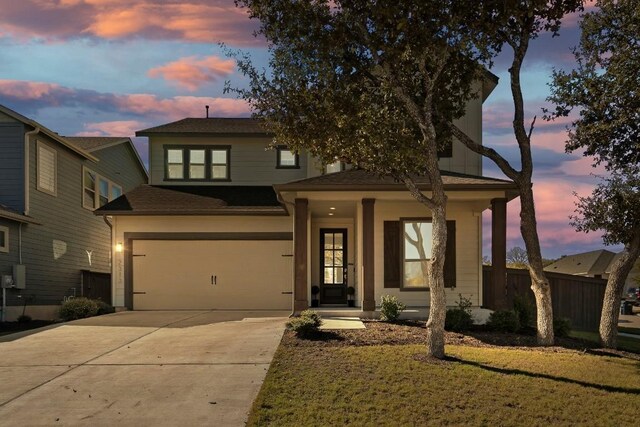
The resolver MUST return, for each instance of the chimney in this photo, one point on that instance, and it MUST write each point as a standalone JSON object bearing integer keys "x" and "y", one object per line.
{"x": 207, "y": 107}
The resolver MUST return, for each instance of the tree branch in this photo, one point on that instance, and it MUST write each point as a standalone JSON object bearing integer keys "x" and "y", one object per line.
{"x": 416, "y": 193}
{"x": 492, "y": 154}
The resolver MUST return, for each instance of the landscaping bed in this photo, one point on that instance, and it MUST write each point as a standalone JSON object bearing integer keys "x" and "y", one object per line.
{"x": 7, "y": 328}
{"x": 414, "y": 332}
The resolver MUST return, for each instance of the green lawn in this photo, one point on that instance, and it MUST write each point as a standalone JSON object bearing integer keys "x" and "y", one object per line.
{"x": 387, "y": 386}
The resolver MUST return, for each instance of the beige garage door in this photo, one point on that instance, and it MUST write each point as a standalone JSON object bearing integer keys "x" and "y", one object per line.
{"x": 206, "y": 274}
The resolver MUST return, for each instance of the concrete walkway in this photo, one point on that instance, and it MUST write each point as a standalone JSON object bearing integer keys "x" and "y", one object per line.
{"x": 140, "y": 368}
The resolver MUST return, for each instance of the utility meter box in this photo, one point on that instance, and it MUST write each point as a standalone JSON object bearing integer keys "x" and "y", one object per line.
{"x": 19, "y": 276}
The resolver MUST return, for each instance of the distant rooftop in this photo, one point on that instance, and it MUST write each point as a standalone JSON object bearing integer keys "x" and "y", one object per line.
{"x": 214, "y": 125}
{"x": 90, "y": 143}
{"x": 584, "y": 264}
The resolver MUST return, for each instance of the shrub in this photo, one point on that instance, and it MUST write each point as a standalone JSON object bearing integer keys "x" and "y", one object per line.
{"x": 306, "y": 325}
{"x": 561, "y": 327}
{"x": 504, "y": 321}
{"x": 526, "y": 311}
{"x": 78, "y": 308}
{"x": 390, "y": 308}
{"x": 24, "y": 318}
{"x": 104, "y": 308}
{"x": 459, "y": 319}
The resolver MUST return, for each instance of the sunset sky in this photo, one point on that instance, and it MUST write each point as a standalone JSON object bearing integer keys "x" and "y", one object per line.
{"x": 111, "y": 67}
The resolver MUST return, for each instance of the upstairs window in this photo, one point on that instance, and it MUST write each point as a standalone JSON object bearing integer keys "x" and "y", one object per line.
{"x": 334, "y": 167}
{"x": 175, "y": 164}
{"x": 97, "y": 190}
{"x": 220, "y": 164}
{"x": 197, "y": 163}
{"x": 46, "y": 169}
{"x": 287, "y": 159}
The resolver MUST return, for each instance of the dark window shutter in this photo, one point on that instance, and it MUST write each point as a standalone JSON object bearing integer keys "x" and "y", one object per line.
{"x": 392, "y": 254}
{"x": 450, "y": 256}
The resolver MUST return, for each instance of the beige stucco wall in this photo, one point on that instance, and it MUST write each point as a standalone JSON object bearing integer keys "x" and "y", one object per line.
{"x": 468, "y": 247}
{"x": 174, "y": 224}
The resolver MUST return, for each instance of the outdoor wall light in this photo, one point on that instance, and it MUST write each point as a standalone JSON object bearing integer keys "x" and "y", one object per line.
{"x": 119, "y": 247}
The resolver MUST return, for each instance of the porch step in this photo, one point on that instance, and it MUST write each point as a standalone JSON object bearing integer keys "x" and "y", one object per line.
{"x": 338, "y": 323}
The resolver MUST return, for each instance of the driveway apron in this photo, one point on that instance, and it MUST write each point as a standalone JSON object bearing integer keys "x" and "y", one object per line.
{"x": 160, "y": 368}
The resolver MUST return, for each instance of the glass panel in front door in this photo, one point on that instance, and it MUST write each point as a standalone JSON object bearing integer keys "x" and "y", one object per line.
{"x": 333, "y": 258}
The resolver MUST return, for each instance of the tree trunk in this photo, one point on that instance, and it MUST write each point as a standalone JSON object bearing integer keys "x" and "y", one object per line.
{"x": 613, "y": 292}
{"x": 539, "y": 282}
{"x": 438, "y": 304}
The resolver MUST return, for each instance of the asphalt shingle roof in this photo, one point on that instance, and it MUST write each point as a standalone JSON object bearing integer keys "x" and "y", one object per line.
{"x": 214, "y": 125}
{"x": 195, "y": 200}
{"x": 355, "y": 178}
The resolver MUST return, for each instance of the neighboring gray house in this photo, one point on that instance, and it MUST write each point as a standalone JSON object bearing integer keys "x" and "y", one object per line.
{"x": 49, "y": 187}
{"x": 596, "y": 264}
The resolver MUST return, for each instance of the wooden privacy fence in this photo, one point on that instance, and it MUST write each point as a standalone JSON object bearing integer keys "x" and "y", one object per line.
{"x": 96, "y": 286}
{"x": 576, "y": 298}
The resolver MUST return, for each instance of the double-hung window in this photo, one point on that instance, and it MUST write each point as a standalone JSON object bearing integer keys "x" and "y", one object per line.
{"x": 197, "y": 163}
{"x": 97, "y": 190}
{"x": 416, "y": 252}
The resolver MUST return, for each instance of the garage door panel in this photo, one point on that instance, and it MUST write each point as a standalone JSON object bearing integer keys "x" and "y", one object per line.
{"x": 179, "y": 274}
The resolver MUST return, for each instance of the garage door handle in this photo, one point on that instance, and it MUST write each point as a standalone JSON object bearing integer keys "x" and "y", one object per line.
{"x": 287, "y": 293}
{"x": 214, "y": 280}
{"x": 139, "y": 293}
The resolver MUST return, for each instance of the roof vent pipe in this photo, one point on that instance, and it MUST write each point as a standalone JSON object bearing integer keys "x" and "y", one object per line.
{"x": 207, "y": 107}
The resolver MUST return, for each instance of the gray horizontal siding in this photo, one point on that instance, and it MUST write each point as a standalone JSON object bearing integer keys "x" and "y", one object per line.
{"x": 50, "y": 278}
{"x": 251, "y": 163}
{"x": 12, "y": 165}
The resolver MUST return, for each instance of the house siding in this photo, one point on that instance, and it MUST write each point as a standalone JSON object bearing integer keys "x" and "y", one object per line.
{"x": 11, "y": 163}
{"x": 251, "y": 163}
{"x": 55, "y": 252}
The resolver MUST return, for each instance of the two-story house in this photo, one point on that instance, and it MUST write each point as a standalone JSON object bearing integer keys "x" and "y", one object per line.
{"x": 49, "y": 187}
{"x": 228, "y": 224}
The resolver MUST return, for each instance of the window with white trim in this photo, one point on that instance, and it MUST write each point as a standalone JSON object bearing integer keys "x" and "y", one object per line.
{"x": 416, "y": 252}
{"x": 97, "y": 190}
{"x": 46, "y": 169}
{"x": 4, "y": 239}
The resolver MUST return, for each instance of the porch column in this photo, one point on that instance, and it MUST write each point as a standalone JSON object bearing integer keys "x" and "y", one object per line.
{"x": 300, "y": 255}
{"x": 368, "y": 297}
{"x": 499, "y": 252}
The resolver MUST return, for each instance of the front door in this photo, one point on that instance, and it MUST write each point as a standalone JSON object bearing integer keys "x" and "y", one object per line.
{"x": 333, "y": 266}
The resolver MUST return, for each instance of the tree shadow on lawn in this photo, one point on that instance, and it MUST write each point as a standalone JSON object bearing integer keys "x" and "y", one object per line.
{"x": 505, "y": 371}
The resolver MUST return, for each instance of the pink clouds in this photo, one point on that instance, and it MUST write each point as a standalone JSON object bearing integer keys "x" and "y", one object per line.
{"x": 190, "y": 20}
{"x": 24, "y": 90}
{"x": 115, "y": 128}
{"x": 40, "y": 95}
{"x": 192, "y": 72}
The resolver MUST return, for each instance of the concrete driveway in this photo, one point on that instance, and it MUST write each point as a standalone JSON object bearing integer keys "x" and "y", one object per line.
{"x": 167, "y": 368}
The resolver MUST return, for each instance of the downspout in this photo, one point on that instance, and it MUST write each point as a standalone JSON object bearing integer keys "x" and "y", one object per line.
{"x": 27, "y": 179}
{"x": 293, "y": 266}
{"x": 110, "y": 224}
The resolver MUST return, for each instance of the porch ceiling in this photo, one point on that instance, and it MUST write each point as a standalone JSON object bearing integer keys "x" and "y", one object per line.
{"x": 323, "y": 209}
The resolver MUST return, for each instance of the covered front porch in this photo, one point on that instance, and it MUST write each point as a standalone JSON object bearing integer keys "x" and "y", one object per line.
{"x": 344, "y": 238}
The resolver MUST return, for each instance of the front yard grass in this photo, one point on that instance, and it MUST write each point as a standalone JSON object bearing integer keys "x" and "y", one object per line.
{"x": 315, "y": 384}
{"x": 624, "y": 343}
